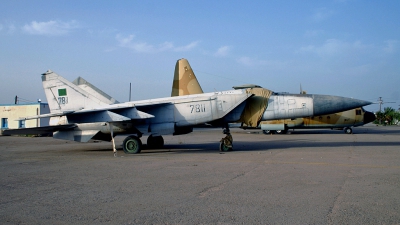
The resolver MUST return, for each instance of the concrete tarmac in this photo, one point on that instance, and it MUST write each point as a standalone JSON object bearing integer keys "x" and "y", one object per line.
{"x": 305, "y": 177}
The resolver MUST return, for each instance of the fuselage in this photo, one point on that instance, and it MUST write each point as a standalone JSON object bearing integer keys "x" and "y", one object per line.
{"x": 291, "y": 106}
{"x": 171, "y": 115}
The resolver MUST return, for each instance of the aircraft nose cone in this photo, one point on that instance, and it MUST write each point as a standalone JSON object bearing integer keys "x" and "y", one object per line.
{"x": 369, "y": 117}
{"x": 327, "y": 104}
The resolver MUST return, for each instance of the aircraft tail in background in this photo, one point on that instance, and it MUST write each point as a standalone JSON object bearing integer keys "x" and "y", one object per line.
{"x": 185, "y": 82}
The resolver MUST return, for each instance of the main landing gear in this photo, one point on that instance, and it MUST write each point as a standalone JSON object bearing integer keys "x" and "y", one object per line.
{"x": 226, "y": 143}
{"x": 275, "y": 131}
{"x": 133, "y": 145}
{"x": 348, "y": 130}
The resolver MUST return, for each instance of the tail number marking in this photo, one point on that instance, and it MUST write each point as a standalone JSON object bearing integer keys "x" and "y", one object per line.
{"x": 62, "y": 100}
{"x": 197, "y": 108}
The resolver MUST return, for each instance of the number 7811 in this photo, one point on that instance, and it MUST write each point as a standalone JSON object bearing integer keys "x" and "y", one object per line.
{"x": 197, "y": 108}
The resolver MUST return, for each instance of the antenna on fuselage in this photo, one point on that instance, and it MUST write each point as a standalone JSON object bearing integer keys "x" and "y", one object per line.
{"x": 130, "y": 90}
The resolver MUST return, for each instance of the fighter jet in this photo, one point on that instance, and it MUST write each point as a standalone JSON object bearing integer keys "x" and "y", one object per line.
{"x": 89, "y": 116}
{"x": 266, "y": 105}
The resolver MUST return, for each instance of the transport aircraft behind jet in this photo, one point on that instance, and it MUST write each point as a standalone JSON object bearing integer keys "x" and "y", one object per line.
{"x": 342, "y": 120}
{"x": 281, "y": 105}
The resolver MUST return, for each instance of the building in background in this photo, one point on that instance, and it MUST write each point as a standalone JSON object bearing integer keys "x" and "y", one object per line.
{"x": 10, "y": 113}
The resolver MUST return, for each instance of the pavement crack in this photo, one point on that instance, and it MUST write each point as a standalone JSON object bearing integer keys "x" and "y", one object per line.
{"x": 219, "y": 187}
{"x": 335, "y": 209}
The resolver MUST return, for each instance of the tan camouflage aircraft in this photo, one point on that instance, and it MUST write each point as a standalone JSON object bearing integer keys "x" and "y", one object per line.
{"x": 185, "y": 83}
{"x": 341, "y": 121}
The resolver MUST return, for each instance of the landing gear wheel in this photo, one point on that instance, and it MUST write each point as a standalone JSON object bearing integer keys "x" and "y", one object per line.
{"x": 224, "y": 148}
{"x": 155, "y": 141}
{"x": 348, "y": 130}
{"x": 281, "y": 131}
{"x": 266, "y": 131}
{"x": 132, "y": 145}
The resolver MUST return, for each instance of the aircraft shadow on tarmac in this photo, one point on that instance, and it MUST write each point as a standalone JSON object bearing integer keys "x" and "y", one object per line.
{"x": 272, "y": 145}
{"x": 267, "y": 145}
{"x": 287, "y": 144}
{"x": 255, "y": 146}
{"x": 176, "y": 148}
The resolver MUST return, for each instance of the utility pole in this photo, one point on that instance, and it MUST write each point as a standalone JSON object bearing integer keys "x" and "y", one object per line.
{"x": 381, "y": 102}
{"x": 130, "y": 91}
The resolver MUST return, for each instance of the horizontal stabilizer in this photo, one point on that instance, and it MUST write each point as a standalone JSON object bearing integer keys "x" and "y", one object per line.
{"x": 110, "y": 114}
{"x": 75, "y": 135}
{"x": 38, "y": 130}
{"x": 45, "y": 115}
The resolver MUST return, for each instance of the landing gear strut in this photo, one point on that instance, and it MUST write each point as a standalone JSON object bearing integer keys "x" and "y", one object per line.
{"x": 112, "y": 139}
{"x": 226, "y": 143}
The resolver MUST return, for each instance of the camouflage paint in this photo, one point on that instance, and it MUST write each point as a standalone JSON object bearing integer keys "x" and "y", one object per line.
{"x": 349, "y": 118}
{"x": 185, "y": 82}
{"x": 255, "y": 106}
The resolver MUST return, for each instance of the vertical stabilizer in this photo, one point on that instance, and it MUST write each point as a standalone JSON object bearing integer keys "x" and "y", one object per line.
{"x": 185, "y": 82}
{"x": 93, "y": 90}
{"x": 63, "y": 96}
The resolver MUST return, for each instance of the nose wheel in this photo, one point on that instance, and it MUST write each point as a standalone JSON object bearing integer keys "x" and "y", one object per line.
{"x": 226, "y": 143}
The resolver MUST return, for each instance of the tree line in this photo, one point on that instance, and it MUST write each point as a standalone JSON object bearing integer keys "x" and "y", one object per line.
{"x": 388, "y": 116}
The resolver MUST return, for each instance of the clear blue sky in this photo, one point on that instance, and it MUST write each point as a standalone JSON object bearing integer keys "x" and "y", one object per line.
{"x": 340, "y": 47}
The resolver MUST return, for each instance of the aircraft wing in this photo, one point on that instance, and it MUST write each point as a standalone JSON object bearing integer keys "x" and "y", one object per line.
{"x": 38, "y": 130}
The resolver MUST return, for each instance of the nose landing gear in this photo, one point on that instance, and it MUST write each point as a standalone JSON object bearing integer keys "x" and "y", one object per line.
{"x": 226, "y": 143}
